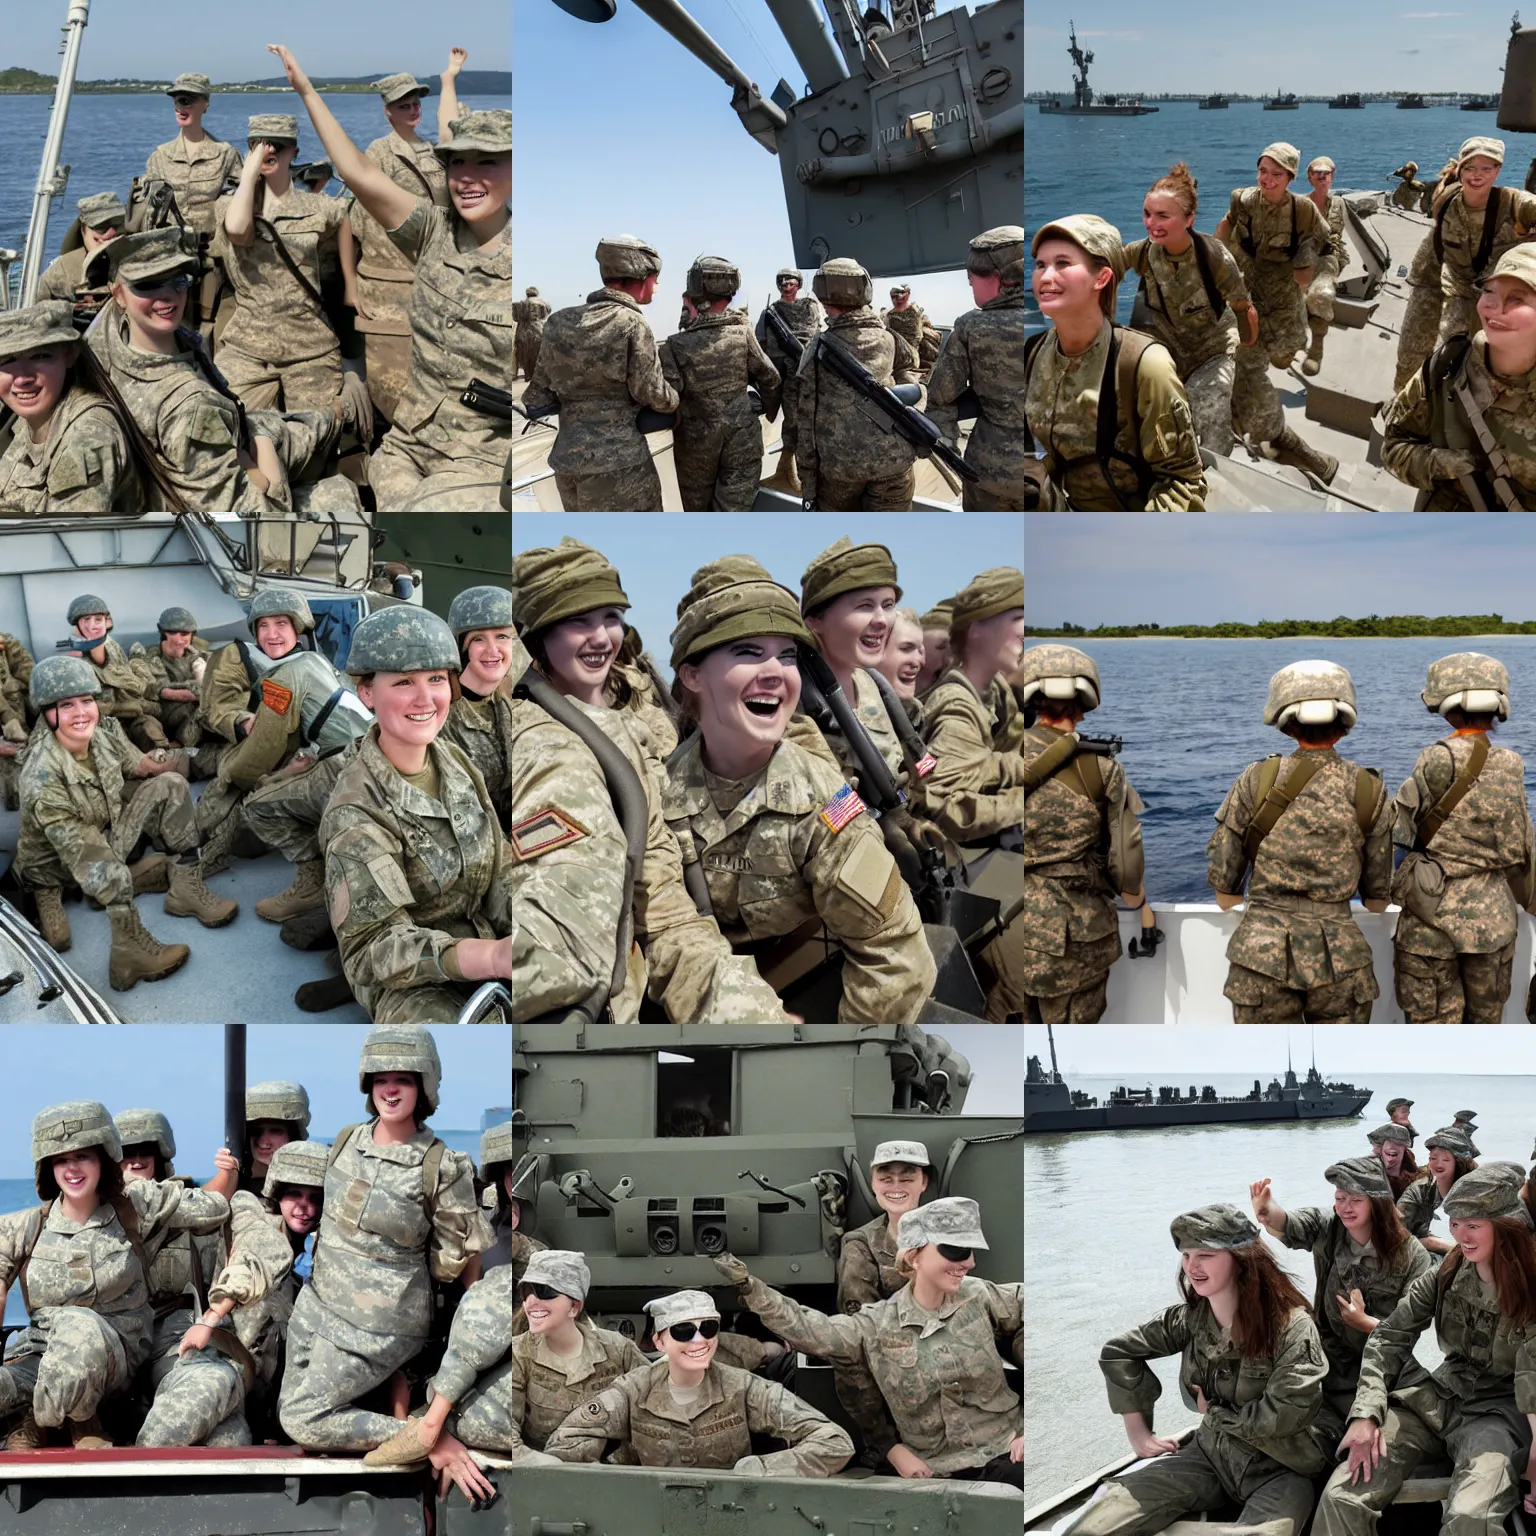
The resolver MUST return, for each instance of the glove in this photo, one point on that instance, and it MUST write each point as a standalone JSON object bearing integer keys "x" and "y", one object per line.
{"x": 1448, "y": 463}
{"x": 731, "y": 1268}
{"x": 356, "y": 406}
{"x": 1146, "y": 946}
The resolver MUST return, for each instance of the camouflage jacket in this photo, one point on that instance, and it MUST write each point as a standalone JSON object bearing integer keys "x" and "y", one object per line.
{"x": 417, "y": 168}
{"x": 531, "y": 313}
{"x": 122, "y": 684}
{"x": 62, "y": 276}
{"x": 482, "y": 730}
{"x": 868, "y": 705}
{"x": 382, "y": 1242}
{"x": 715, "y": 1431}
{"x": 15, "y": 676}
{"x": 1178, "y": 306}
{"x": 916, "y": 329}
{"x": 1297, "y": 926}
{"x": 710, "y": 365}
{"x": 547, "y": 1388}
{"x": 257, "y": 1276}
{"x": 598, "y": 365}
{"x": 866, "y": 1272}
{"x": 1335, "y": 250}
{"x": 975, "y": 789}
{"x": 632, "y": 691}
{"x": 1487, "y": 1359}
{"x": 406, "y": 875}
{"x": 1486, "y": 843}
{"x": 1461, "y": 232}
{"x": 1267, "y": 228}
{"x": 804, "y": 317}
{"x": 1269, "y": 1404}
{"x": 940, "y": 1372}
{"x": 82, "y": 468}
{"x": 162, "y": 671}
{"x": 772, "y": 863}
{"x": 1417, "y": 1206}
{"x": 985, "y": 352}
{"x": 197, "y": 173}
{"x": 479, "y": 1338}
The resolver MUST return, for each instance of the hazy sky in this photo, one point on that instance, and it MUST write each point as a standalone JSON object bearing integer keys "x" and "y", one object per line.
{"x": 158, "y": 39}
{"x": 1310, "y": 47}
{"x": 996, "y": 1055}
{"x": 1105, "y": 568}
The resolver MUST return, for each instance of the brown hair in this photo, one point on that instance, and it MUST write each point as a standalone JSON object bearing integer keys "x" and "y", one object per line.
{"x": 1266, "y": 1298}
{"x": 1388, "y": 1233}
{"x": 1180, "y": 186}
{"x": 86, "y": 374}
{"x": 1459, "y": 718}
{"x": 1315, "y": 734}
{"x": 1514, "y": 1269}
{"x": 108, "y": 1187}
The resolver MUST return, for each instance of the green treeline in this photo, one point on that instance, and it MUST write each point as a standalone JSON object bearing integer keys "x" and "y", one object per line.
{"x": 1393, "y": 626}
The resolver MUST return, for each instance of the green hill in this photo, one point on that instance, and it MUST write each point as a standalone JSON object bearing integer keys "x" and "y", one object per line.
{"x": 1374, "y": 626}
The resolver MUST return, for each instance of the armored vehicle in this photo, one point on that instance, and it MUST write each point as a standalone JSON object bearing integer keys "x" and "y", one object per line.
{"x": 651, "y": 1148}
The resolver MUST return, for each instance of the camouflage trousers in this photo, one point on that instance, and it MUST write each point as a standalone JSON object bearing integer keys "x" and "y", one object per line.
{"x": 1421, "y": 318}
{"x": 889, "y": 493}
{"x": 389, "y": 370}
{"x": 65, "y": 1370}
{"x": 483, "y": 1416}
{"x": 1260, "y": 999}
{"x": 992, "y": 496}
{"x": 1487, "y": 1451}
{"x": 411, "y": 475}
{"x": 1282, "y": 311}
{"x": 330, "y": 1365}
{"x": 1461, "y": 989}
{"x": 526, "y": 349}
{"x": 432, "y": 1003}
{"x": 199, "y": 1400}
{"x": 635, "y": 488}
{"x": 719, "y": 467}
{"x": 310, "y": 385}
{"x": 1209, "y": 388}
{"x": 1063, "y": 989}
{"x": 159, "y": 808}
{"x": 1323, "y": 289}
{"x": 285, "y": 811}
{"x": 789, "y": 411}
{"x": 1194, "y": 1480}
{"x": 1256, "y": 411}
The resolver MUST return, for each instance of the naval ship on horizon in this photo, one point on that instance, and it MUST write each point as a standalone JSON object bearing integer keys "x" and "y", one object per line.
{"x": 1084, "y": 103}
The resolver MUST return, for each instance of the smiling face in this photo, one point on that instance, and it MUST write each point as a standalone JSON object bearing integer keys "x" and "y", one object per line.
{"x": 176, "y": 642}
{"x": 276, "y": 634}
{"x": 548, "y": 1316}
{"x": 1391, "y": 1155}
{"x": 581, "y": 650}
{"x": 78, "y": 1173}
{"x": 409, "y": 706}
{"x": 1442, "y": 1163}
{"x": 1479, "y": 172}
{"x": 1322, "y": 181}
{"x": 32, "y": 383}
{"x": 138, "y": 1162}
{"x": 903, "y": 659}
{"x": 945, "y": 1274}
{"x": 692, "y": 1355}
{"x": 852, "y": 629}
{"x": 394, "y": 1096}
{"x": 480, "y": 184}
{"x": 1208, "y": 1270}
{"x": 1355, "y": 1212}
{"x": 746, "y": 689}
{"x": 489, "y": 653}
{"x": 1066, "y": 280}
{"x": 1475, "y": 1237}
{"x": 74, "y": 721}
{"x": 898, "y": 1187}
{"x": 1164, "y": 219}
{"x": 1507, "y": 309}
{"x": 156, "y": 313}
{"x": 300, "y": 1206}
{"x": 92, "y": 626}
{"x": 1273, "y": 179}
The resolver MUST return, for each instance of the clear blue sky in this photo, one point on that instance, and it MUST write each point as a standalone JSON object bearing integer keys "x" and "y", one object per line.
{"x": 150, "y": 39}
{"x": 1307, "y": 46}
{"x": 620, "y": 131}
{"x": 180, "y": 1071}
{"x": 1107, "y": 568}
{"x": 936, "y": 553}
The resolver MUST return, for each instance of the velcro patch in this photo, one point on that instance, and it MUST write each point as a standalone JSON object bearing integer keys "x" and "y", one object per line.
{"x": 544, "y": 831}
{"x": 277, "y": 698}
{"x": 391, "y": 881}
{"x": 870, "y": 875}
{"x": 925, "y": 765}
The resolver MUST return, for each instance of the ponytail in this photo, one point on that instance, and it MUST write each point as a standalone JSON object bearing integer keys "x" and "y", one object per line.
{"x": 1181, "y": 186}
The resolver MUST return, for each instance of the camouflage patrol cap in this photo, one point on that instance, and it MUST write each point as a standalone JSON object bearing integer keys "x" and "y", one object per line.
{"x": 101, "y": 208}
{"x": 1453, "y": 1139}
{"x": 1313, "y": 692}
{"x": 736, "y": 612}
{"x": 1519, "y": 262}
{"x": 626, "y": 256}
{"x": 402, "y": 1048}
{"x": 495, "y": 1146}
{"x": 180, "y": 619}
{"x": 1282, "y": 154}
{"x": 480, "y": 608}
{"x": 843, "y": 282}
{"x": 1470, "y": 681}
{"x": 190, "y": 84}
{"x": 681, "y": 1307}
{"x": 786, "y": 275}
{"x": 1464, "y": 1116}
{"x": 1359, "y": 1176}
{"x": 276, "y": 602}
{"x": 138, "y": 257}
{"x": 555, "y": 584}
{"x": 1488, "y": 1192}
{"x": 1213, "y": 1226}
{"x": 1391, "y": 1131}
{"x": 72, "y": 1127}
{"x": 1398, "y": 1104}
{"x": 721, "y": 573}
{"x": 278, "y": 1100}
{"x": 403, "y": 639}
{"x": 138, "y": 1127}
{"x": 530, "y": 293}
{"x": 999, "y": 250}
{"x": 1097, "y": 236}
{"x": 62, "y": 677}
{"x": 395, "y": 88}
{"x": 1481, "y": 144}
{"x": 1060, "y": 672}
{"x": 565, "y": 1270}
{"x": 939, "y": 616}
{"x": 846, "y": 567}
{"x": 951, "y": 1220}
{"x": 297, "y": 1162}
{"x": 987, "y": 595}
{"x": 1407, "y": 170}
{"x": 273, "y": 128}
{"x": 913, "y": 1152}
{"x": 712, "y": 277}
{"x": 1320, "y": 163}
{"x": 49, "y": 324}
{"x": 489, "y": 132}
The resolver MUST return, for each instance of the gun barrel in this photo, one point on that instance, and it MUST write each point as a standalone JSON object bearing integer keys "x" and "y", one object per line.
{"x": 672, "y": 18}
{"x": 801, "y": 25}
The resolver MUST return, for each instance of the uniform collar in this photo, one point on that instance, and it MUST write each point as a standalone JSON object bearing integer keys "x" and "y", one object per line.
{"x": 658, "y": 1397}
{"x": 612, "y": 296}
{"x": 910, "y": 1315}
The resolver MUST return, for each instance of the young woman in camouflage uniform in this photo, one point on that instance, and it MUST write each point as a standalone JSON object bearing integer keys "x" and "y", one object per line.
{"x": 123, "y": 689}
{"x": 1364, "y": 1258}
{"x": 1474, "y": 1410}
{"x": 1250, "y": 1363}
{"x": 1322, "y": 291}
{"x": 276, "y": 1113}
{"x": 1389, "y": 1146}
{"x": 480, "y": 719}
{"x": 1451, "y": 1155}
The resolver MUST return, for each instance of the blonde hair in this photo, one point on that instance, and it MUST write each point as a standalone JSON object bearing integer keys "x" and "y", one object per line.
{"x": 904, "y": 1264}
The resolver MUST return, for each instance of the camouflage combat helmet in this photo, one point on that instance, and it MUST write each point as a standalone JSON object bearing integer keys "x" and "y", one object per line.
{"x": 626, "y": 257}
{"x": 843, "y": 282}
{"x": 1470, "y": 681}
{"x": 402, "y": 1048}
{"x": 297, "y": 1162}
{"x": 402, "y": 639}
{"x": 999, "y": 250}
{"x": 62, "y": 677}
{"x": 786, "y": 275}
{"x": 72, "y": 1127}
{"x": 711, "y": 278}
{"x": 88, "y": 603}
{"x": 480, "y": 608}
{"x": 495, "y": 1147}
{"x": 139, "y": 1127}
{"x": 277, "y": 602}
{"x": 1060, "y": 672}
{"x": 177, "y": 619}
{"x": 278, "y": 1100}
{"x": 1313, "y": 692}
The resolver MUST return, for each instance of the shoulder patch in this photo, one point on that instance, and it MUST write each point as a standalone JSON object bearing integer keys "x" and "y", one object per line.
{"x": 842, "y": 808}
{"x": 546, "y": 830}
{"x": 870, "y": 874}
{"x": 391, "y": 881}
{"x": 594, "y": 1409}
{"x": 277, "y": 698}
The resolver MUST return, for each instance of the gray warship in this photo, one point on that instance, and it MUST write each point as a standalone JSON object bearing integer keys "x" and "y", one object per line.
{"x": 1084, "y": 102}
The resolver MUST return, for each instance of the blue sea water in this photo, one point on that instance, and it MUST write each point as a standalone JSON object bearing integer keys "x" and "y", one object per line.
{"x": 1190, "y": 712}
{"x": 1105, "y": 165}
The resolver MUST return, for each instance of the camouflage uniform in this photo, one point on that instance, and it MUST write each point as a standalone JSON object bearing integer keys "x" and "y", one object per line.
{"x": 1474, "y": 1409}
{"x": 805, "y": 317}
{"x": 475, "y": 1373}
{"x": 177, "y": 716}
{"x": 63, "y": 276}
{"x": 1421, "y": 319}
{"x": 912, "y": 324}
{"x": 868, "y": 706}
{"x": 547, "y": 1388}
{"x": 122, "y": 690}
{"x": 1323, "y": 289}
{"x": 867, "y": 1273}
{"x": 1461, "y": 232}
{"x": 529, "y": 313}
{"x": 196, "y": 173}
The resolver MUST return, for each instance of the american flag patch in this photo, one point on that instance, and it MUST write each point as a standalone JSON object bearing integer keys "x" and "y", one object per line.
{"x": 925, "y": 765}
{"x": 842, "y": 808}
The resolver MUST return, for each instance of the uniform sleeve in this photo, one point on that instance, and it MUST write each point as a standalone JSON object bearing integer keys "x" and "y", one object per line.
{"x": 1525, "y": 213}
{"x": 838, "y": 1338}
{"x": 226, "y": 692}
{"x": 480, "y": 1336}
{"x": 259, "y": 1257}
{"x": 1126, "y": 861}
{"x": 1313, "y": 234}
{"x": 974, "y": 791}
{"x": 418, "y": 232}
{"x": 858, "y": 1274}
{"x": 166, "y": 1205}
{"x": 19, "y": 658}
{"x": 89, "y": 468}
{"x": 55, "y": 282}
{"x": 220, "y": 245}
{"x": 1292, "y": 1394}
{"x": 540, "y": 394}
{"x": 1229, "y": 279}
{"x": 669, "y": 368}
{"x": 647, "y": 385}
{"x": 817, "y": 1446}
{"x": 81, "y": 848}
{"x": 765, "y": 376}
{"x": 1226, "y": 859}
{"x": 459, "y": 1227}
{"x": 1376, "y": 857}
{"x": 587, "y": 1430}
{"x": 946, "y": 383}
{"x": 807, "y": 456}
{"x": 1303, "y": 1227}
{"x": 520, "y": 1453}
{"x": 1390, "y": 1347}
{"x": 13, "y": 1241}
{"x": 1168, "y": 436}
{"x": 1407, "y": 451}
{"x": 1132, "y": 1386}
{"x": 1525, "y": 1373}
{"x": 1006, "y": 1305}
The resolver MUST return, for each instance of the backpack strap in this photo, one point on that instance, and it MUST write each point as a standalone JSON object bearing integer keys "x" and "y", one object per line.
{"x": 29, "y": 1242}
{"x": 1206, "y": 259}
{"x": 1441, "y": 207}
{"x": 128, "y": 1219}
{"x": 1117, "y": 410}
{"x": 1368, "y": 793}
{"x": 1493, "y": 216}
{"x": 1295, "y": 244}
{"x": 1032, "y": 347}
{"x": 1438, "y": 814}
{"x": 1276, "y": 798}
{"x": 430, "y": 1167}
{"x": 1049, "y": 763}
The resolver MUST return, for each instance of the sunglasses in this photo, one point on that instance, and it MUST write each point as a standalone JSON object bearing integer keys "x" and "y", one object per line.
{"x": 149, "y": 286}
{"x": 953, "y": 1254}
{"x": 185, "y": 101}
{"x": 684, "y": 1332}
{"x": 543, "y": 1292}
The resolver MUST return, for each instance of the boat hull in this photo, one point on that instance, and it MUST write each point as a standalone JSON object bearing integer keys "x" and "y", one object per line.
{"x": 1047, "y": 107}
{"x": 1142, "y": 1116}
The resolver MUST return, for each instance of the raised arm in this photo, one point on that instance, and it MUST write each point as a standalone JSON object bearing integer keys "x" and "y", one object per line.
{"x": 240, "y": 216}
{"x": 448, "y": 100}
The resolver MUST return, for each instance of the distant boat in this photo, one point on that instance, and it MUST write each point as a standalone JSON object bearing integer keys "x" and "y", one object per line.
{"x": 1480, "y": 104}
{"x": 1214, "y": 103}
{"x": 1350, "y": 99}
{"x": 1283, "y": 103}
{"x": 1083, "y": 103}
{"x": 1412, "y": 100}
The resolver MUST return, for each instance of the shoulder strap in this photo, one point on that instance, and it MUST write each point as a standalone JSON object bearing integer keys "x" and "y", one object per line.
{"x": 34, "y": 1231}
{"x": 1368, "y": 792}
{"x": 128, "y": 1218}
{"x": 1032, "y": 346}
{"x": 1493, "y": 216}
{"x": 340, "y": 1141}
{"x": 1277, "y": 798}
{"x": 1244, "y": 229}
{"x": 430, "y": 1166}
{"x": 1442, "y": 206}
{"x": 267, "y": 227}
{"x": 1049, "y": 763}
{"x": 1206, "y": 259}
{"x": 1439, "y": 813}
{"x": 1117, "y": 409}
{"x": 1295, "y": 244}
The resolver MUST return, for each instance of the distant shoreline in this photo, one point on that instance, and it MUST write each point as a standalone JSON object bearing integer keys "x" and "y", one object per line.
{"x": 1074, "y": 637}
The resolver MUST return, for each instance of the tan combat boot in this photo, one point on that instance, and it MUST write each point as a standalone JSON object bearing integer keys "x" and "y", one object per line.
{"x": 785, "y": 476}
{"x": 1314, "y": 360}
{"x": 305, "y": 894}
{"x": 51, "y": 921}
{"x": 86, "y": 1434}
{"x": 136, "y": 954}
{"x": 189, "y": 897}
{"x": 150, "y": 874}
{"x": 1290, "y": 449}
{"x": 27, "y": 1436}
